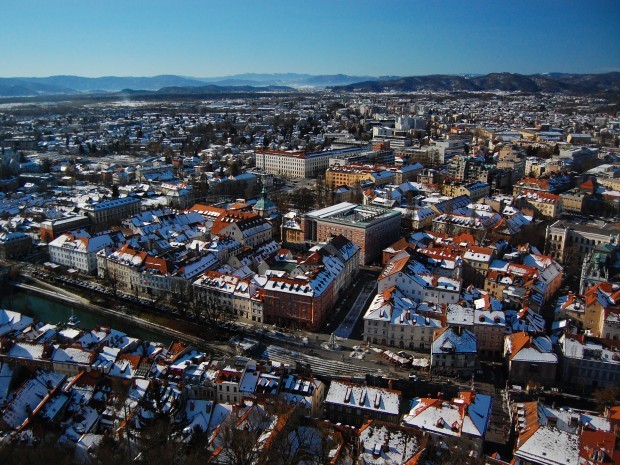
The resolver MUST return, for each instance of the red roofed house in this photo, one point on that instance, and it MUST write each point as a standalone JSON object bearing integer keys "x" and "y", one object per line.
{"x": 530, "y": 358}
{"x": 602, "y": 312}
{"x": 300, "y": 302}
{"x": 461, "y": 423}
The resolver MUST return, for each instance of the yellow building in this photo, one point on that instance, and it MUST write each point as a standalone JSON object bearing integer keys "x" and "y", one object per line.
{"x": 346, "y": 176}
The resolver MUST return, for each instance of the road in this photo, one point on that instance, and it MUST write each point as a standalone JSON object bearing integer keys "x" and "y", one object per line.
{"x": 282, "y": 347}
{"x": 77, "y": 300}
{"x": 306, "y": 348}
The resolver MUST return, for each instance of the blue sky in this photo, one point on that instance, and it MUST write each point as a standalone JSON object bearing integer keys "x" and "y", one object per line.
{"x": 205, "y": 38}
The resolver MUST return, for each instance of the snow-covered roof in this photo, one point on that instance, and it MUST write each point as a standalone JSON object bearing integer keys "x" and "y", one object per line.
{"x": 458, "y": 315}
{"x": 468, "y": 414}
{"x": 382, "y": 443}
{"x": 386, "y": 401}
{"x": 33, "y": 393}
{"x": 550, "y": 446}
{"x": 525, "y": 348}
{"x": 13, "y": 321}
{"x": 72, "y": 355}
{"x": 455, "y": 340}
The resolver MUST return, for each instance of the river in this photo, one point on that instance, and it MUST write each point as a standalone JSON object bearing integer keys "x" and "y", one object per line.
{"x": 51, "y": 311}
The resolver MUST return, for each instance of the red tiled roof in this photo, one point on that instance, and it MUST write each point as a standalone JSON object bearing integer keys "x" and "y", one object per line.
{"x": 598, "y": 447}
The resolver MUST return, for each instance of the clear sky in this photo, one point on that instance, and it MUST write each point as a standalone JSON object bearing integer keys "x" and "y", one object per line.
{"x": 204, "y": 38}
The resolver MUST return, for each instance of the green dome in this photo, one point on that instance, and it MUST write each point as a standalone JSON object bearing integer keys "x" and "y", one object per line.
{"x": 264, "y": 204}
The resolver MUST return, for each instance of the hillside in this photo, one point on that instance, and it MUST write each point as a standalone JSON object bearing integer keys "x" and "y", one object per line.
{"x": 510, "y": 82}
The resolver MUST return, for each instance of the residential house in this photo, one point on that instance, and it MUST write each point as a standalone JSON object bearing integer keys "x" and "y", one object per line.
{"x": 530, "y": 359}
{"x": 381, "y": 443}
{"x": 305, "y": 392}
{"x": 550, "y": 436}
{"x": 78, "y": 251}
{"x": 454, "y": 349}
{"x": 589, "y": 362}
{"x": 414, "y": 282}
{"x": 395, "y": 320}
{"x": 461, "y": 423}
{"x": 353, "y": 404}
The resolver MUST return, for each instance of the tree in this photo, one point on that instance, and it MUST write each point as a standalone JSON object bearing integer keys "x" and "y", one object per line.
{"x": 234, "y": 168}
{"x": 46, "y": 165}
{"x": 321, "y": 192}
{"x": 206, "y": 307}
{"x": 45, "y": 452}
{"x": 607, "y": 397}
{"x": 159, "y": 442}
{"x": 7, "y": 290}
{"x": 110, "y": 278}
{"x": 115, "y": 192}
{"x": 183, "y": 299}
{"x": 303, "y": 199}
{"x": 153, "y": 148}
{"x": 449, "y": 219}
{"x": 299, "y": 440}
{"x": 109, "y": 450}
{"x": 358, "y": 195}
{"x": 439, "y": 454}
{"x": 239, "y": 444}
{"x": 281, "y": 200}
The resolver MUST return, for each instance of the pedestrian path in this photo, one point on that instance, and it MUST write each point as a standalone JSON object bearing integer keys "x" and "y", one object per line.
{"x": 346, "y": 327}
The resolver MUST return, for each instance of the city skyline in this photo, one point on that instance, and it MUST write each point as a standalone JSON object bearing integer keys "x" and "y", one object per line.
{"x": 207, "y": 39}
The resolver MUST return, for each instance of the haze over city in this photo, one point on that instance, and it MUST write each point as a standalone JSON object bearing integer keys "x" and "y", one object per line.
{"x": 216, "y": 38}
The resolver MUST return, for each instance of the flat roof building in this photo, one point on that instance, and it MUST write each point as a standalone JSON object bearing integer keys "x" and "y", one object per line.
{"x": 109, "y": 212}
{"x": 371, "y": 228}
{"x": 577, "y": 237}
{"x": 299, "y": 164}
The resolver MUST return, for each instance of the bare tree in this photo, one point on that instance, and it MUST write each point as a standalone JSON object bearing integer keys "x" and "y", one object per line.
{"x": 235, "y": 445}
{"x": 358, "y": 195}
{"x": 303, "y": 199}
{"x": 321, "y": 192}
{"x": 299, "y": 440}
{"x": 110, "y": 278}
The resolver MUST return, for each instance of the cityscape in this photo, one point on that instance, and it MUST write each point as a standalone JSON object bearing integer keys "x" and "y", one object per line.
{"x": 285, "y": 264}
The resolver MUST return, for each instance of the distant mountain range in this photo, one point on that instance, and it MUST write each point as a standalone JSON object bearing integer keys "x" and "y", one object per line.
{"x": 510, "y": 82}
{"x": 32, "y": 86}
{"x": 252, "y": 82}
